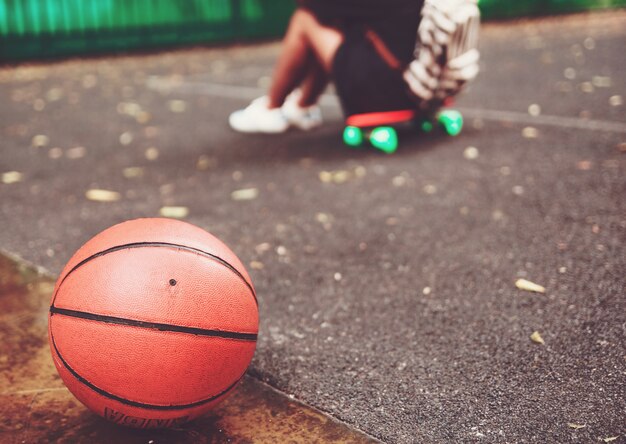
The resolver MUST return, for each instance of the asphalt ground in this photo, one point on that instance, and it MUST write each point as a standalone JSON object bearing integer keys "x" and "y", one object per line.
{"x": 386, "y": 282}
{"x": 35, "y": 406}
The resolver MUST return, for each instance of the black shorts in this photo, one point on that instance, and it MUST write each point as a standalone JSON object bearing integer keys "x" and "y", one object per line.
{"x": 364, "y": 81}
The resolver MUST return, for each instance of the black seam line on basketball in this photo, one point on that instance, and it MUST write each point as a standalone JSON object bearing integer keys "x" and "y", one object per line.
{"x": 162, "y": 245}
{"x": 154, "y": 325}
{"x": 106, "y": 394}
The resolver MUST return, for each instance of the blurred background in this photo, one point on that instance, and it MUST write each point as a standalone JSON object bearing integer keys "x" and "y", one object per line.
{"x": 32, "y": 29}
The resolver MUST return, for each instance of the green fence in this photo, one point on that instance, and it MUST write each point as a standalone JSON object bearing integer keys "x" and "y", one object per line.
{"x": 48, "y": 28}
{"x": 34, "y": 29}
{"x": 499, "y": 9}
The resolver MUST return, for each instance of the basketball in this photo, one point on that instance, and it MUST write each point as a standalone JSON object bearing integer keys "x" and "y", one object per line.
{"x": 152, "y": 323}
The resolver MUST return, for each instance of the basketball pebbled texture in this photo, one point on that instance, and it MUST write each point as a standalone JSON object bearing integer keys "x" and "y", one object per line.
{"x": 153, "y": 322}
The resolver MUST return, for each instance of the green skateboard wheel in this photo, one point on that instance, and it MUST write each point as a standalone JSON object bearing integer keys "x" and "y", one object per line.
{"x": 353, "y": 136}
{"x": 451, "y": 120}
{"x": 427, "y": 126}
{"x": 385, "y": 138}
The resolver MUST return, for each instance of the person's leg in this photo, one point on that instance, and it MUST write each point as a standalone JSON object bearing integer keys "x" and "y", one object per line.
{"x": 313, "y": 84}
{"x": 306, "y": 58}
{"x": 306, "y": 42}
{"x": 300, "y": 107}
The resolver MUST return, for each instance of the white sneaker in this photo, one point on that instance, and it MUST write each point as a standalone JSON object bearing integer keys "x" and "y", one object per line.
{"x": 304, "y": 118}
{"x": 258, "y": 118}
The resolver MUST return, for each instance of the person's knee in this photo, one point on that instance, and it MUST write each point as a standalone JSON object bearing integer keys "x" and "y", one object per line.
{"x": 299, "y": 20}
{"x": 303, "y": 15}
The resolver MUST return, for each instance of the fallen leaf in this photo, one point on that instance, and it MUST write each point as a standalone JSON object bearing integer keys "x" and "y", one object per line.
{"x": 100, "y": 195}
{"x": 323, "y": 218}
{"x": 569, "y": 73}
{"x": 129, "y": 108}
{"x": 152, "y": 153}
{"x": 54, "y": 94}
{"x": 523, "y": 284}
{"x": 177, "y": 106}
{"x": 470, "y": 153}
{"x": 12, "y": 177}
{"x": 609, "y": 439}
{"x": 340, "y": 176}
{"x": 55, "y": 153}
{"x": 360, "y": 171}
{"x": 430, "y": 189}
{"x": 576, "y": 426}
{"x": 398, "y": 181}
{"x": 497, "y": 215}
{"x": 530, "y": 133}
{"x": 40, "y": 140}
{"x": 262, "y": 248}
{"x": 143, "y": 117}
{"x": 586, "y": 87}
{"x": 76, "y": 152}
{"x": 256, "y": 265}
{"x": 126, "y": 138}
{"x": 174, "y": 212}
{"x": 205, "y": 162}
{"x": 245, "y": 194}
{"x": 132, "y": 172}
{"x": 536, "y": 338}
{"x": 534, "y": 110}
{"x": 601, "y": 81}
{"x": 326, "y": 176}
{"x": 616, "y": 100}
{"x": 518, "y": 190}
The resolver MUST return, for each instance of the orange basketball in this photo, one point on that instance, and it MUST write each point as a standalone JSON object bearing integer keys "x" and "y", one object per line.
{"x": 153, "y": 322}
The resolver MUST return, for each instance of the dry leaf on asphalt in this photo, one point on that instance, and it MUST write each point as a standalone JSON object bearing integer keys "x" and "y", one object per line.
{"x": 205, "y": 162}
{"x": 126, "y": 138}
{"x": 262, "y": 248}
{"x": 12, "y": 177}
{"x": 470, "y": 153}
{"x": 152, "y": 153}
{"x": 245, "y": 194}
{"x": 177, "y": 106}
{"x": 256, "y": 265}
{"x": 576, "y": 426}
{"x": 536, "y": 338}
{"x": 523, "y": 284}
{"x": 174, "y": 212}
{"x": 40, "y": 141}
{"x": 530, "y": 133}
{"x": 341, "y": 176}
{"x": 99, "y": 195}
{"x": 131, "y": 172}
{"x": 609, "y": 439}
